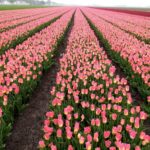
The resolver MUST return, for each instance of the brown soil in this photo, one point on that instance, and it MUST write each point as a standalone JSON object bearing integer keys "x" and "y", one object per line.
{"x": 27, "y": 129}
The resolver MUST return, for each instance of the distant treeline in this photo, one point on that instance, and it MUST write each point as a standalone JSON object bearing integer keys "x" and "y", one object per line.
{"x": 27, "y": 1}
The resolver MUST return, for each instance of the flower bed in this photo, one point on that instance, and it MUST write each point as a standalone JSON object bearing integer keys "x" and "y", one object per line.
{"x": 12, "y": 15}
{"x": 17, "y": 22}
{"x": 139, "y": 32}
{"x": 10, "y": 38}
{"x": 91, "y": 106}
{"x": 22, "y": 67}
{"x": 131, "y": 54}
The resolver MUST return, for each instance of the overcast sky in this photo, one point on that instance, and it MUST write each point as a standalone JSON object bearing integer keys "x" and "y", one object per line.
{"x": 131, "y": 3}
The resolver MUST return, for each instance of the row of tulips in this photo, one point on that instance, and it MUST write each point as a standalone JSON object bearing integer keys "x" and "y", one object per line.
{"x": 10, "y": 15}
{"x": 14, "y": 23}
{"x": 21, "y": 68}
{"x": 91, "y": 107}
{"x": 140, "y": 32}
{"x": 137, "y": 20}
{"x": 13, "y": 37}
{"x": 131, "y": 54}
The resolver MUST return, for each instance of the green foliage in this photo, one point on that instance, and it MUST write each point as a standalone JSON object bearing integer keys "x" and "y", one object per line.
{"x": 14, "y": 7}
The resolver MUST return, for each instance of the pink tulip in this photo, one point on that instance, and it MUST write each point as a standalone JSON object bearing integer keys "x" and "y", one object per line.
{"x": 143, "y": 115}
{"x": 70, "y": 147}
{"x": 107, "y": 143}
{"x": 76, "y": 127}
{"x": 41, "y": 144}
{"x": 137, "y": 148}
{"x": 88, "y": 146}
{"x": 59, "y": 133}
{"x": 132, "y": 134}
{"x": 50, "y": 114}
{"x": 53, "y": 147}
{"x": 114, "y": 116}
{"x": 89, "y": 138}
{"x": 106, "y": 134}
{"x": 69, "y": 134}
{"x": 96, "y": 136}
{"x": 81, "y": 140}
{"x": 87, "y": 130}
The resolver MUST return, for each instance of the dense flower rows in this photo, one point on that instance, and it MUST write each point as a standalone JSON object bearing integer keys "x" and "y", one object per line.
{"x": 135, "y": 52}
{"x": 138, "y": 20}
{"x": 91, "y": 106}
{"x": 144, "y": 33}
{"x": 8, "y": 36}
{"x": 10, "y": 15}
{"x": 20, "y": 68}
{"x": 15, "y": 22}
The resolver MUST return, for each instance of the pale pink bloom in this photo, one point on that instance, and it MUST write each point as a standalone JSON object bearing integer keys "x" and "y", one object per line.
{"x": 148, "y": 98}
{"x": 107, "y": 143}
{"x": 69, "y": 134}
{"x": 41, "y": 144}
{"x": 50, "y": 114}
{"x": 122, "y": 122}
{"x": 59, "y": 133}
{"x": 47, "y": 136}
{"x": 137, "y": 148}
{"x": 88, "y": 146}
{"x": 97, "y": 122}
{"x": 96, "y": 135}
{"x": 146, "y": 140}
{"x": 76, "y": 127}
{"x": 76, "y": 115}
{"x": 5, "y": 100}
{"x": 114, "y": 130}
{"x": 143, "y": 115}
{"x": 48, "y": 129}
{"x": 53, "y": 147}
{"x": 126, "y": 112}
{"x": 92, "y": 107}
{"x": 98, "y": 111}
{"x": 93, "y": 122}
{"x": 137, "y": 122}
{"x": 114, "y": 116}
{"x": 128, "y": 127}
{"x": 81, "y": 139}
{"x": 118, "y": 137}
{"x": 92, "y": 96}
{"x": 138, "y": 109}
{"x": 132, "y": 119}
{"x": 142, "y": 135}
{"x": 123, "y": 146}
{"x": 132, "y": 134}
{"x": 82, "y": 117}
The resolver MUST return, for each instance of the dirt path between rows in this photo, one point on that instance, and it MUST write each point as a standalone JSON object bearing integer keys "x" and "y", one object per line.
{"x": 27, "y": 131}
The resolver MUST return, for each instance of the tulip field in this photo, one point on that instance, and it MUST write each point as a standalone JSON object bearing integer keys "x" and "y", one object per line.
{"x": 92, "y": 105}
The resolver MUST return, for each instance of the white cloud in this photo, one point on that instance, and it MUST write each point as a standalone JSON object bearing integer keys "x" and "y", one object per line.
{"x": 130, "y": 3}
